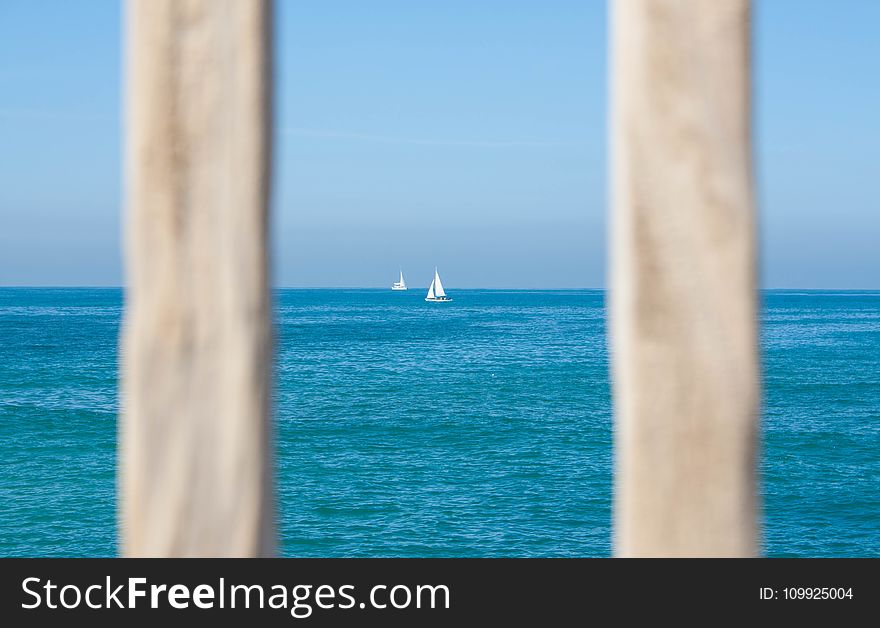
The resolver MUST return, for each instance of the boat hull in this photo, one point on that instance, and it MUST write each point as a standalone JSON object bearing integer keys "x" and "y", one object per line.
{"x": 437, "y": 299}
{"x": 396, "y": 288}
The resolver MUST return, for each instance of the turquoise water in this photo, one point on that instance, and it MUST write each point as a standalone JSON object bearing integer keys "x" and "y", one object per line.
{"x": 476, "y": 428}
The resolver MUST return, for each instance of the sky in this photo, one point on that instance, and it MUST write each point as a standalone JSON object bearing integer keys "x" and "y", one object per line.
{"x": 467, "y": 135}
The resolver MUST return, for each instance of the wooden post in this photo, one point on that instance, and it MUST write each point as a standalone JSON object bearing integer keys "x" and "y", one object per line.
{"x": 683, "y": 295}
{"x": 195, "y": 475}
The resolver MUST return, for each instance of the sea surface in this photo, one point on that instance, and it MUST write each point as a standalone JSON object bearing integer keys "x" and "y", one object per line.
{"x": 480, "y": 427}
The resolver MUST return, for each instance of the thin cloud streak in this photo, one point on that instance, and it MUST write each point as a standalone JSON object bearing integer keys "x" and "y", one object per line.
{"x": 77, "y": 116}
{"x": 417, "y": 141}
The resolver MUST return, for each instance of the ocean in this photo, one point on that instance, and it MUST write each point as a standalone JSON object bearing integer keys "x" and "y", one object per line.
{"x": 480, "y": 427}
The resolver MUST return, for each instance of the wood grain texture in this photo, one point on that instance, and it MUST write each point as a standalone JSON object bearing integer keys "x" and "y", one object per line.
{"x": 195, "y": 475}
{"x": 683, "y": 295}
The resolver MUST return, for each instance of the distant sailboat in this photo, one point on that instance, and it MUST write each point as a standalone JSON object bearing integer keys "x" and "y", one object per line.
{"x": 436, "y": 292}
{"x": 399, "y": 285}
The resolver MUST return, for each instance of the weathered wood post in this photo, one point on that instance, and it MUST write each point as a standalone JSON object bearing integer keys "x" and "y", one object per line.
{"x": 195, "y": 476}
{"x": 683, "y": 295}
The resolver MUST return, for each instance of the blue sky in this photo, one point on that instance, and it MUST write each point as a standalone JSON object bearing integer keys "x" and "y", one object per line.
{"x": 463, "y": 134}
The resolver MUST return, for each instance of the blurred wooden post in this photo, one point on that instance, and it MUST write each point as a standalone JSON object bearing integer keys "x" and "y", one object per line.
{"x": 195, "y": 435}
{"x": 683, "y": 295}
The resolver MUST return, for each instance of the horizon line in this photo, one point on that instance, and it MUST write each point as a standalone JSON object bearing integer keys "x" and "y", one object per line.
{"x": 289, "y": 287}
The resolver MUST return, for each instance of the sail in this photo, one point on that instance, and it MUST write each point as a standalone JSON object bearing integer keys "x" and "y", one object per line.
{"x": 401, "y": 282}
{"x": 431, "y": 291}
{"x": 438, "y": 287}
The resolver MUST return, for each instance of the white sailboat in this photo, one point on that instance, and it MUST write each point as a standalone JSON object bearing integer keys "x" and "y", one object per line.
{"x": 399, "y": 285}
{"x": 436, "y": 292}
